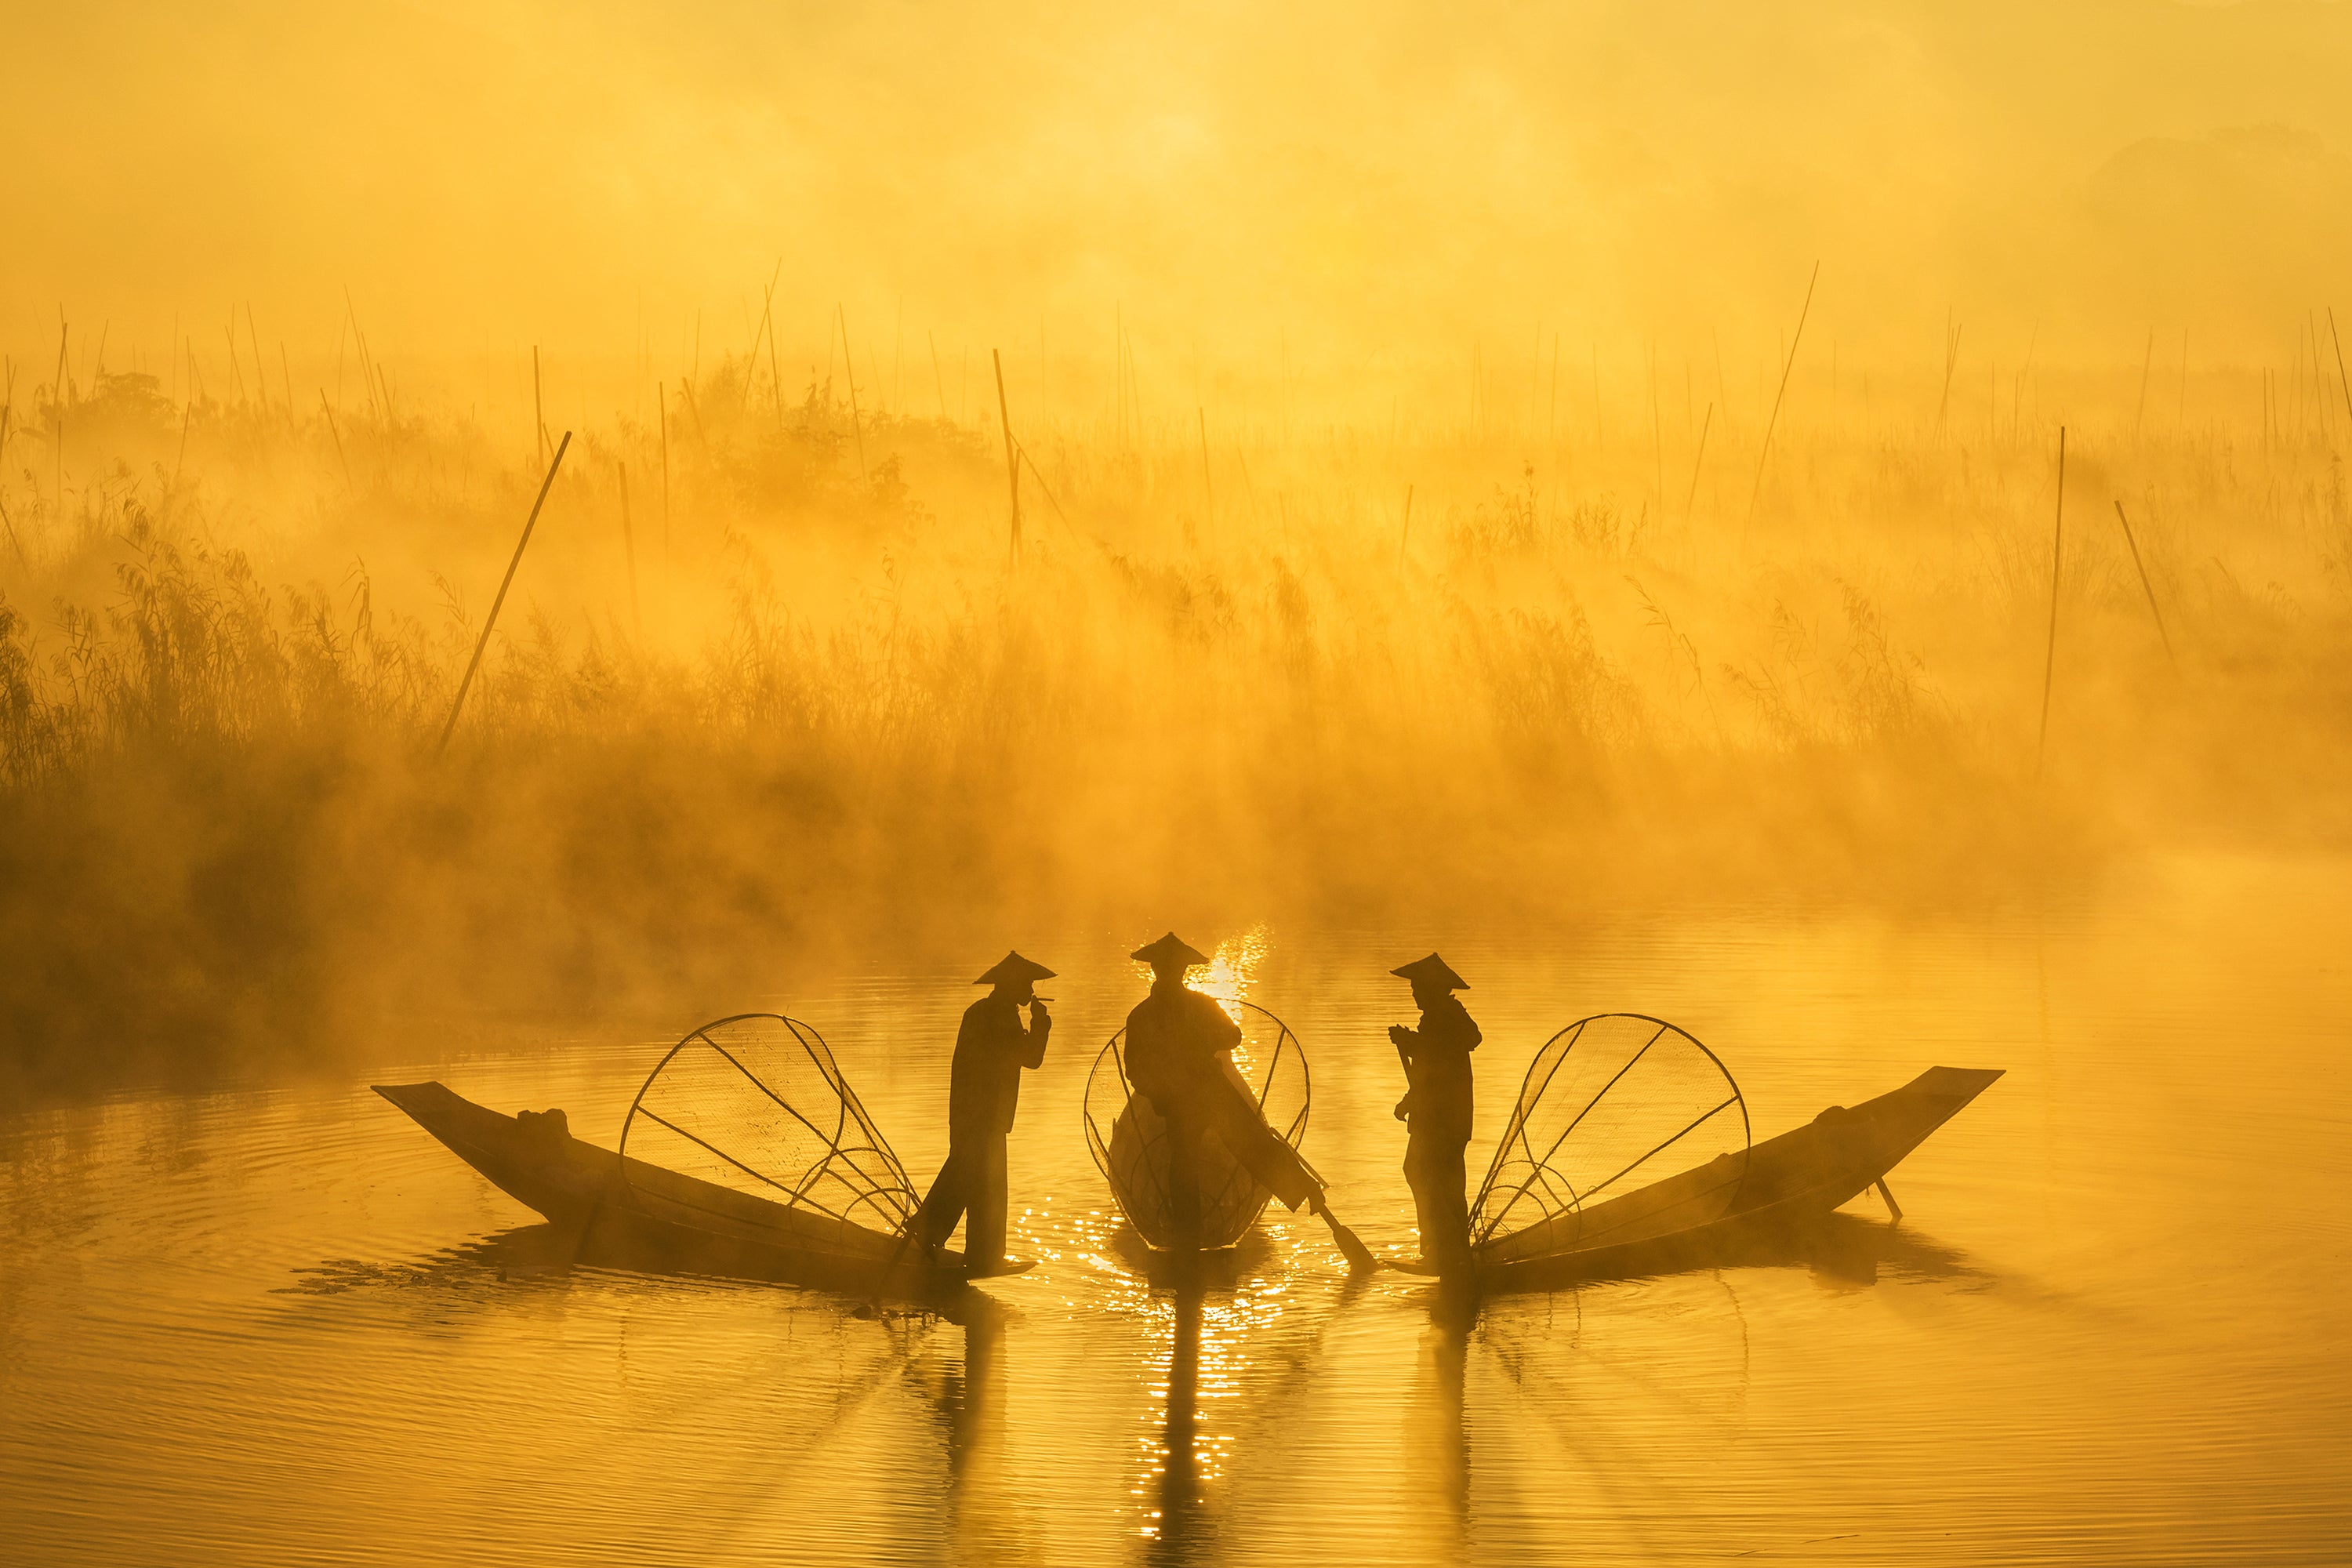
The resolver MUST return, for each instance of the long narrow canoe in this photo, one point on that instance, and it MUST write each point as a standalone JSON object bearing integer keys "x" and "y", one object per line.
{"x": 659, "y": 1220}
{"x": 1776, "y": 1188}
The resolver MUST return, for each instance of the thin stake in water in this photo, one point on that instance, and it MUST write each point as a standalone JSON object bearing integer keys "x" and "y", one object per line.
{"x": 1698, "y": 463}
{"x": 2146, "y": 587}
{"x": 1012, "y": 463}
{"x": 2341, "y": 380}
{"x": 2146, "y": 364}
{"x": 1765, "y": 452}
{"x": 661, "y": 403}
{"x": 325, "y": 408}
{"x": 8, "y": 409}
{"x": 1208, "y": 488}
{"x": 2057, "y": 561}
{"x": 857, "y": 425}
{"x": 57, "y": 410}
{"x": 491, "y": 621}
{"x": 629, "y": 551}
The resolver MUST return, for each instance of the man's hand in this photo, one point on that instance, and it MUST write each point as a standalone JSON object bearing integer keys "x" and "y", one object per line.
{"x": 1400, "y": 1034}
{"x": 1404, "y": 1109}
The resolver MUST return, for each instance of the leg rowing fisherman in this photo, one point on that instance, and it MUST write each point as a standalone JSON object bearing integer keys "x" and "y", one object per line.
{"x": 984, "y": 1090}
{"x": 1179, "y": 1046}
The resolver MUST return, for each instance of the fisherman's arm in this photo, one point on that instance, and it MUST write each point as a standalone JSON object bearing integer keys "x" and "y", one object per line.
{"x": 1032, "y": 1049}
{"x": 1407, "y": 1042}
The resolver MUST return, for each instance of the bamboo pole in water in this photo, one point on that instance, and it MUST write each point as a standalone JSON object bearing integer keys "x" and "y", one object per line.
{"x": 325, "y": 408}
{"x": 661, "y": 395}
{"x": 849, "y": 364}
{"x": 775, "y": 365}
{"x": 2146, "y": 587}
{"x": 1208, "y": 488}
{"x": 629, "y": 552}
{"x": 2057, "y": 560}
{"x": 58, "y": 412}
{"x": 2341, "y": 380}
{"x": 491, "y": 621}
{"x": 1697, "y": 463}
{"x": 261, "y": 368}
{"x": 2146, "y": 364}
{"x": 7, "y": 410}
{"x": 1012, "y": 463}
{"x": 1764, "y": 452}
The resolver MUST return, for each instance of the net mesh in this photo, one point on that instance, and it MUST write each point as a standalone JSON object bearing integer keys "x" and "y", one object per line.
{"x": 757, "y": 1104}
{"x": 1129, "y": 1141}
{"x": 1613, "y": 1105}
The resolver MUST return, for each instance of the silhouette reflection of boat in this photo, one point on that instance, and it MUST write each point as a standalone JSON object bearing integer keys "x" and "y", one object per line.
{"x": 740, "y": 1108}
{"x": 1611, "y": 1101}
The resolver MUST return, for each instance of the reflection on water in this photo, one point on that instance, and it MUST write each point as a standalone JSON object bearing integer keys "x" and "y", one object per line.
{"x": 283, "y": 1325}
{"x": 1175, "y": 1521}
{"x": 1442, "y": 1447}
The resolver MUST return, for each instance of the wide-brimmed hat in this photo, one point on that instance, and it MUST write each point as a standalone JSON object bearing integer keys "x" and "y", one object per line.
{"x": 1433, "y": 969}
{"x": 1169, "y": 950}
{"x": 1011, "y": 969}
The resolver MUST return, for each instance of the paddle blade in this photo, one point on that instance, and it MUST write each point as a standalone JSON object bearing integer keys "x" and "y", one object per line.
{"x": 1351, "y": 1245}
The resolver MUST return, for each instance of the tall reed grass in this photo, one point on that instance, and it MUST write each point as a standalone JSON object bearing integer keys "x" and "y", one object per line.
{"x": 834, "y": 713}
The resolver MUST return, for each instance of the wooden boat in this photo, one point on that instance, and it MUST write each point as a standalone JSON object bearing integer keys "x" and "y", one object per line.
{"x": 1130, "y": 1141}
{"x": 1735, "y": 1203}
{"x": 643, "y": 1216}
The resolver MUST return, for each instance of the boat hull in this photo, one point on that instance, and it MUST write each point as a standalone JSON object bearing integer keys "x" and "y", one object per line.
{"x": 1779, "y": 1190}
{"x": 642, "y": 1217}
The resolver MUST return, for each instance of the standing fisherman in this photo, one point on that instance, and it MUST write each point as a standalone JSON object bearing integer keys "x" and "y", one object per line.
{"x": 983, "y": 1088}
{"x": 1436, "y": 1110}
{"x": 1179, "y": 1055}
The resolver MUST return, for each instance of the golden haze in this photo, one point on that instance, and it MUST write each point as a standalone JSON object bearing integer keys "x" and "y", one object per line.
{"x": 1441, "y": 491}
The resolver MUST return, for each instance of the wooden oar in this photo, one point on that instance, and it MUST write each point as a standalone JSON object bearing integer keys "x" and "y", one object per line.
{"x": 1359, "y": 1257}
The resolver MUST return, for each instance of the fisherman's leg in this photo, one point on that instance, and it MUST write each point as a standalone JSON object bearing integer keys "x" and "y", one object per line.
{"x": 984, "y": 1233}
{"x": 1428, "y": 1219}
{"x": 944, "y": 1205}
{"x": 1449, "y": 1195}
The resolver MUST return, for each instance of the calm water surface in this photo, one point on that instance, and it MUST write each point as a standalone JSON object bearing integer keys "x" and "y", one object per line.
{"x": 285, "y": 1325}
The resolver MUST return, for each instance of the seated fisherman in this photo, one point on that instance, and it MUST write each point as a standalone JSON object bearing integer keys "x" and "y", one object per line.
{"x": 1436, "y": 1110}
{"x": 983, "y": 1089}
{"x": 1179, "y": 1047}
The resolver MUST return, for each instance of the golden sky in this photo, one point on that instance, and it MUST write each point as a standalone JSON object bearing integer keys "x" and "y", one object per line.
{"x": 1353, "y": 180}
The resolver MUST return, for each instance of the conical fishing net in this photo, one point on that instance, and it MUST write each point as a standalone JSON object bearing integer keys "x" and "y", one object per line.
{"x": 756, "y": 1104}
{"x": 1130, "y": 1145}
{"x": 1627, "y": 1128}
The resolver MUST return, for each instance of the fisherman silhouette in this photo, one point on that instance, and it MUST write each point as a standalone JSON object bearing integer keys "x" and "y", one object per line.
{"x": 1436, "y": 1110}
{"x": 983, "y": 1088}
{"x": 1179, "y": 1048}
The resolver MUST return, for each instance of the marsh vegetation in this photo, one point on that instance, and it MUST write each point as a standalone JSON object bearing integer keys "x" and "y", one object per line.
{"x": 776, "y": 682}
